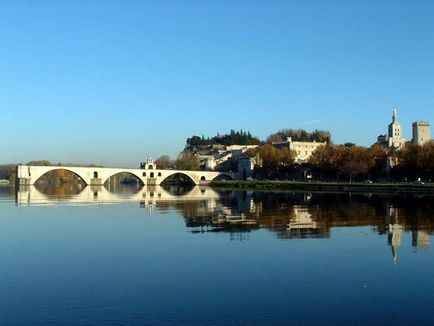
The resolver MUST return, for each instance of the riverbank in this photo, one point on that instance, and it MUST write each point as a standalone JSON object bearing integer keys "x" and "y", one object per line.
{"x": 327, "y": 186}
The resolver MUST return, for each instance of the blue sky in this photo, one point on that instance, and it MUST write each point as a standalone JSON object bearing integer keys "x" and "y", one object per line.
{"x": 112, "y": 82}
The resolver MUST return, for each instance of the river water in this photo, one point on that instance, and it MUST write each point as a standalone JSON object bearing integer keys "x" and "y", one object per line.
{"x": 86, "y": 256}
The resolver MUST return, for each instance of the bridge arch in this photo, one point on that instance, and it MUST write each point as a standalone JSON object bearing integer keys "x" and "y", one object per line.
{"x": 135, "y": 175}
{"x": 185, "y": 176}
{"x": 223, "y": 176}
{"x": 37, "y": 177}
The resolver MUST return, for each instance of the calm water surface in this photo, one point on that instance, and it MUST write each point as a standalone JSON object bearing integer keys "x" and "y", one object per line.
{"x": 196, "y": 256}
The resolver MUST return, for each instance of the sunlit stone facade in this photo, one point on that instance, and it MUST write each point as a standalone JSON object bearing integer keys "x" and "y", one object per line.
{"x": 303, "y": 149}
{"x": 395, "y": 136}
{"x": 421, "y": 132}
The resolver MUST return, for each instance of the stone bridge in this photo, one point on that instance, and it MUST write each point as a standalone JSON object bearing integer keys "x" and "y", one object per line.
{"x": 148, "y": 174}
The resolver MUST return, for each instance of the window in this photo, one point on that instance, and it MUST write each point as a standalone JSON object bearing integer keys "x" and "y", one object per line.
{"x": 95, "y": 174}
{"x": 159, "y": 174}
{"x": 152, "y": 174}
{"x": 144, "y": 174}
{"x": 202, "y": 178}
{"x": 150, "y": 167}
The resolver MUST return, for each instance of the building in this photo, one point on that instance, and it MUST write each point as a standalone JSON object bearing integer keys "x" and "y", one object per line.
{"x": 149, "y": 164}
{"x": 303, "y": 149}
{"x": 395, "y": 135}
{"x": 382, "y": 140}
{"x": 421, "y": 132}
{"x": 246, "y": 166}
{"x": 214, "y": 157}
{"x": 421, "y": 239}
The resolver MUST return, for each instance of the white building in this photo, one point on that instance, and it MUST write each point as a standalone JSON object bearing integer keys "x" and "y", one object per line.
{"x": 421, "y": 132}
{"x": 395, "y": 135}
{"x": 303, "y": 149}
{"x": 214, "y": 157}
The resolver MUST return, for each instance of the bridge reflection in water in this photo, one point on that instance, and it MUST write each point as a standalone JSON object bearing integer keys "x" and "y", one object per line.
{"x": 287, "y": 215}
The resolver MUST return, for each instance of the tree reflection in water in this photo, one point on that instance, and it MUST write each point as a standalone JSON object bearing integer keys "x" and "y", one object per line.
{"x": 287, "y": 215}
{"x": 312, "y": 215}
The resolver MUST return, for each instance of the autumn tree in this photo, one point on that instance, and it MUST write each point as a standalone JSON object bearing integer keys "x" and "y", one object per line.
{"x": 378, "y": 157}
{"x": 187, "y": 161}
{"x": 417, "y": 161}
{"x": 354, "y": 161}
{"x": 325, "y": 160}
{"x": 339, "y": 161}
{"x": 275, "y": 161}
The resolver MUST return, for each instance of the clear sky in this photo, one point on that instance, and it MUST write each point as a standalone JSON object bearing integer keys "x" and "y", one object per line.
{"x": 112, "y": 82}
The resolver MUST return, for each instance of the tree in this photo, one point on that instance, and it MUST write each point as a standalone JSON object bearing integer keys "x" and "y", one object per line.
{"x": 40, "y": 163}
{"x": 417, "y": 161}
{"x": 233, "y": 138}
{"x": 275, "y": 161}
{"x": 378, "y": 157}
{"x": 354, "y": 161}
{"x": 351, "y": 162}
{"x": 194, "y": 141}
{"x": 187, "y": 161}
{"x": 7, "y": 172}
{"x": 299, "y": 135}
{"x": 164, "y": 162}
{"x": 325, "y": 160}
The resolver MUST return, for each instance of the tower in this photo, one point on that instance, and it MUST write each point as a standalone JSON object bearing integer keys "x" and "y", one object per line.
{"x": 395, "y": 135}
{"x": 421, "y": 132}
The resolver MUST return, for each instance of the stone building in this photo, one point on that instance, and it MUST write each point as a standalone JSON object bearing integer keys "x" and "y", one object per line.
{"x": 303, "y": 149}
{"x": 395, "y": 135}
{"x": 212, "y": 158}
{"x": 246, "y": 166}
{"x": 421, "y": 132}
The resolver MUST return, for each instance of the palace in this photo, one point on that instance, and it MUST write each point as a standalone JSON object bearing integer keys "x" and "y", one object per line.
{"x": 395, "y": 136}
{"x": 303, "y": 149}
{"x": 421, "y": 132}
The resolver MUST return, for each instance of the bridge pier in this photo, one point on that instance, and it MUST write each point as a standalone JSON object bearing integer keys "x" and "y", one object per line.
{"x": 23, "y": 176}
{"x": 24, "y": 181}
{"x": 96, "y": 182}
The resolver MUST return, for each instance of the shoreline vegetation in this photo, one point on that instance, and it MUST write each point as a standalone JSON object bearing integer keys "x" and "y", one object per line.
{"x": 353, "y": 187}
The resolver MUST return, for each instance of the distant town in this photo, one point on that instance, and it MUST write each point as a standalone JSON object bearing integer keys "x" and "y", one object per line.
{"x": 298, "y": 154}
{"x": 295, "y": 154}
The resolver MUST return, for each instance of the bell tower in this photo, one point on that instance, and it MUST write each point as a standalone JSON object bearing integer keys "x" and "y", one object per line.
{"x": 395, "y": 135}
